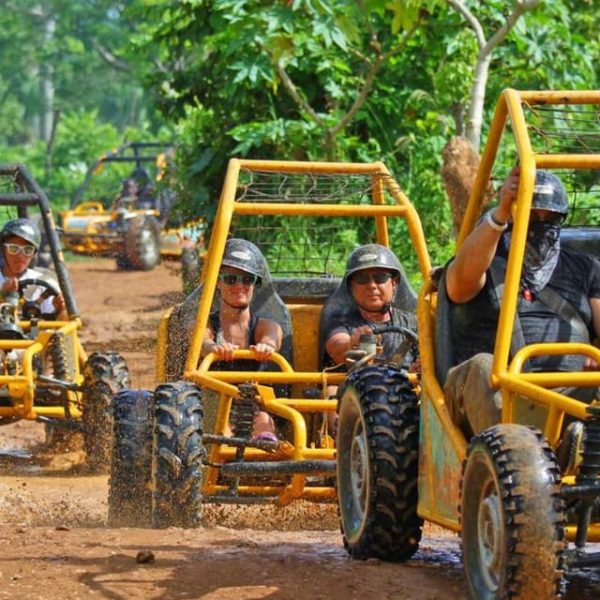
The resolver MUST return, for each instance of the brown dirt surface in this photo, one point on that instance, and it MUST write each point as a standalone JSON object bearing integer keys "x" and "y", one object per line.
{"x": 53, "y": 534}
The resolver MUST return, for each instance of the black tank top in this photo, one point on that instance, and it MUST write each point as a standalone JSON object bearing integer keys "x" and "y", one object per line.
{"x": 214, "y": 321}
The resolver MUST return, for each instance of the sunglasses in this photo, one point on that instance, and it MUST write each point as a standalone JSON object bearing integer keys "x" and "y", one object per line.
{"x": 378, "y": 277}
{"x": 231, "y": 279}
{"x": 14, "y": 249}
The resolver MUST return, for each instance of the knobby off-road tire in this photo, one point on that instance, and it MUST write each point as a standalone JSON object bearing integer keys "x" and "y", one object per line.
{"x": 142, "y": 244}
{"x": 129, "y": 491}
{"x": 123, "y": 263}
{"x": 511, "y": 516}
{"x": 177, "y": 455}
{"x": 105, "y": 374}
{"x": 377, "y": 449}
{"x": 190, "y": 269}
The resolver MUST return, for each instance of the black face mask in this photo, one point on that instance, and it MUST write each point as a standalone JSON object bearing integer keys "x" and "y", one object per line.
{"x": 542, "y": 238}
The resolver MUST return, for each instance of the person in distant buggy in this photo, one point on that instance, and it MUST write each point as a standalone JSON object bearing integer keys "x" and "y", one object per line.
{"x": 233, "y": 326}
{"x": 20, "y": 240}
{"x": 146, "y": 197}
{"x": 128, "y": 194}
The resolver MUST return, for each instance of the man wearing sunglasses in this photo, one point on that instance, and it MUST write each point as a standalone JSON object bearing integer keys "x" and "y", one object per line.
{"x": 559, "y": 300}
{"x": 20, "y": 241}
{"x": 235, "y": 327}
{"x": 372, "y": 276}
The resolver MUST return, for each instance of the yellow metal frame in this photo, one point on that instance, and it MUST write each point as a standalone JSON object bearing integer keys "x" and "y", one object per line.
{"x": 508, "y": 377}
{"x": 225, "y": 383}
{"x": 22, "y": 386}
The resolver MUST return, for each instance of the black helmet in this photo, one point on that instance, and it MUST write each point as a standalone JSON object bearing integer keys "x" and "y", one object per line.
{"x": 22, "y": 228}
{"x": 372, "y": 256}
{"x": 549, "y": 193}
{"x": 141, "y": 176}
{"x": 243, "y": 255}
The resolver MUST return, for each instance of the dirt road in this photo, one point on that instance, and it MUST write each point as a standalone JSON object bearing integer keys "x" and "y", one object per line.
{"x": 55, "y": 545}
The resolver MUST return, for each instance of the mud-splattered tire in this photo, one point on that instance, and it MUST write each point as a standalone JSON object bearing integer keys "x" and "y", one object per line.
{"x": 511, "y": 516}
{"x": 177, "y": 455}
{"x": 142, "y": 243}
{"x": 105, "y": 374}
{"x": 377, "y": 449}
{"x": 123, "y": 263}
{"x": 129, "y": 491}
{"x": 190, "y": 269}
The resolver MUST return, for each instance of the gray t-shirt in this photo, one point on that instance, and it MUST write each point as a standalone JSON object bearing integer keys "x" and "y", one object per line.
{"x": 392, "y": 342}
{"x": 576, "y": 279}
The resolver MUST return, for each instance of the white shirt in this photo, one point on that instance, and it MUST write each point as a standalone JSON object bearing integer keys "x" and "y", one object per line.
{"x": 47, "y": 305}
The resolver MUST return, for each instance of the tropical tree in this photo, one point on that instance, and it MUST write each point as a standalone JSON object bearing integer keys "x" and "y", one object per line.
{"x": 486, "y": 47}
{"x": 58, "y": 56}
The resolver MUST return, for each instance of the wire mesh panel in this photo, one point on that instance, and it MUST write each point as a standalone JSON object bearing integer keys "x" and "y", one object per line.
{"x": 571, "y": 131}
{"x": 563, "y": 128}
{"x": 306, "y": 245}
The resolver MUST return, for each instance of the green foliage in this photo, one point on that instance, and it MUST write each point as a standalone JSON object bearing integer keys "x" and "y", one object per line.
{"x": 81, "y": 138}
{"x": 273, "y": 80}
{"x": 223, "y": 82}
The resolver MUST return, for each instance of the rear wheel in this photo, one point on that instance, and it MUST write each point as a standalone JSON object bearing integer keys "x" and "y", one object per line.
{"x": 177, "y": 455}
{"x": 377, "y": 449}
{"x": 105, "y": 374}
{"x": 511, "y": 515}
{"x": 123, "y": 263}
{"x": 142, "y": 243}
{"x": 190, "y": 269}
{"x": 129, "y": 493}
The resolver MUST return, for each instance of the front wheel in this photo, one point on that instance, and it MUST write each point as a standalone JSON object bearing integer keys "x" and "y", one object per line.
{"x": 377, "y": 448}
{"x": 177, "y": 455}
{"x": 511, "y": 516}
{"x": 142, "y": 243}
{"x": 105, "y": 374}
{"x": 129, "y": 483}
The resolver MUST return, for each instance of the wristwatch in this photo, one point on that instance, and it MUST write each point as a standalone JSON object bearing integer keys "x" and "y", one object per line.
{"x": 493, "y": 223}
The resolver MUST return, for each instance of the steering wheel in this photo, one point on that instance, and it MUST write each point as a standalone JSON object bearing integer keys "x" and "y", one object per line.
{"x": 32, "y": 309}
{"x": 383, "y": 329}
{"x": 362, "y": 355}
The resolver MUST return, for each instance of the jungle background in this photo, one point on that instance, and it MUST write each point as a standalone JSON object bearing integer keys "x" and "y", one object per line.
{"x": 412, "y": 83}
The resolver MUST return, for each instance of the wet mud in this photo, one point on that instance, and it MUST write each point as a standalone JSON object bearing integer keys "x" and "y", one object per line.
{"x": 53, "y": 534}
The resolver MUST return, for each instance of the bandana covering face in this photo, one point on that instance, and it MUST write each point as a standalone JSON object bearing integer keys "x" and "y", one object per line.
{"x": 541, "y": 254}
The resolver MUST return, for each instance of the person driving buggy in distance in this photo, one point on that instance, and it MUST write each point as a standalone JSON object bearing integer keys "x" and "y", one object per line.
{"x": 128, "y": 194}
{"x": 552, "y": 276}
{"x": 372, "y": 277}
{"x": 20, "y": 240}
{"x": 233, "y": 326}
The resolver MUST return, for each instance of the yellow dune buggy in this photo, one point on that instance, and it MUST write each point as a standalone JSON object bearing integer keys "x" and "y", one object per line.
{"x": 523, "y": 523}
{"x": 45, "y": 374}
{"x": 133, "y": 226}
{"x": 172, "y": 450}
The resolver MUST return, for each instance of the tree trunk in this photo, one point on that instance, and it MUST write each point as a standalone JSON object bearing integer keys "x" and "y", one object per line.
{"x": 475, "y": 116}
{"x": 461, "y": 162}
{"x": 47, "y": 82}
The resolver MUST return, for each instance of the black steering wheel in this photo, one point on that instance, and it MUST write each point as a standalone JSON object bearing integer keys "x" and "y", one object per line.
{"x": 32, "y": 309}
{"x": 409, "y": 344}
{"x": 383, "y": 329}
